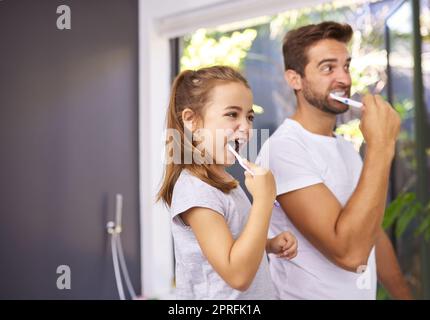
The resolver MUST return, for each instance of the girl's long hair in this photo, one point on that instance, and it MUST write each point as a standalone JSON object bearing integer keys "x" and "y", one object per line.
{"x": 191, "y": 89}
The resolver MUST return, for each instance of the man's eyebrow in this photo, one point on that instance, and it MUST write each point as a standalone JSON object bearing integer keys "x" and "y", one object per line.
{"x": 326, "y": 60}
{"x": 332, "y": 60}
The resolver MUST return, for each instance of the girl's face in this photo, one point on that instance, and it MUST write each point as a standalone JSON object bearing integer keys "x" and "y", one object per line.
{"x": 227, "y": 117}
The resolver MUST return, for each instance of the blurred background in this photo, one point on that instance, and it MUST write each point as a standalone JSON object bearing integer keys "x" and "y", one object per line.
{"x": 83, "y": 113}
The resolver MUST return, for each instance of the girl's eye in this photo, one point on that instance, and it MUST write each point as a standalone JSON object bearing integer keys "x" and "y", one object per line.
{"x": 251, "y": 118}
{"x": 232, "y": 114}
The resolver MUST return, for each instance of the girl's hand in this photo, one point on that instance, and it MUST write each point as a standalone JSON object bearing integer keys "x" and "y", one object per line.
{"x": 262, "y": 185}
{"x": 284, "y": 245}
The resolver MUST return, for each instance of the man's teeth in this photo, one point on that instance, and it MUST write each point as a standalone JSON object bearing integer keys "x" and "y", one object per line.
{"x": 339, "y": 93}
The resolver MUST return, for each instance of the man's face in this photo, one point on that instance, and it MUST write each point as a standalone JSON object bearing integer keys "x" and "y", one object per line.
{"x": 327, "y": 71}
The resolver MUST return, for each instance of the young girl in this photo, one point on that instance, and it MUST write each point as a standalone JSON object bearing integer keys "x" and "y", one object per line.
{"x": 220, "y": 238}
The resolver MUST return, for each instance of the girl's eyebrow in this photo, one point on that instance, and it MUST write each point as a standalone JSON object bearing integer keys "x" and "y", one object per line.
{"x": 239, "y": 108}
{"x": 234, "y": 107}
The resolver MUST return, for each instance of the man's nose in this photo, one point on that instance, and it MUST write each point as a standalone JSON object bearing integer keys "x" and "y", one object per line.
{"x": 343, "y": 77}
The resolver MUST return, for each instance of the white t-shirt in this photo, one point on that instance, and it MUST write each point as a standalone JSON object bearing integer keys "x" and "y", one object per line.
{"x": 298, "y": 159}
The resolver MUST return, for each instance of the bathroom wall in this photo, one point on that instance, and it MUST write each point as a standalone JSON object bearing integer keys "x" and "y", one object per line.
{"x": 68, "y": 144}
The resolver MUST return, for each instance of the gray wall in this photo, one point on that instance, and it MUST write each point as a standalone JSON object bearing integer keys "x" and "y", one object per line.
{"x": 68, "y": 143}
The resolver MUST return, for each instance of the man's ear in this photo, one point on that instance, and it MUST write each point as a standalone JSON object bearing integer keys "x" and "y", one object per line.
{"x": 294, "y": 79}
{"x": 189, "y": 118}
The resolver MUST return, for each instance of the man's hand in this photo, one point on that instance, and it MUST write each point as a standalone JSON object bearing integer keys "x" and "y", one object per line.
{"x": 380, "y": 123}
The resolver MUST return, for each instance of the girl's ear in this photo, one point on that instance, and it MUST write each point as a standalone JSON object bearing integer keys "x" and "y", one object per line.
{"x": 294, "y": 79}
{"x": 189, "y": 118}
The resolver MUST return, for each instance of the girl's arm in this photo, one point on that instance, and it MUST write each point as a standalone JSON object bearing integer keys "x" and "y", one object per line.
{"x": 236, "y": 261}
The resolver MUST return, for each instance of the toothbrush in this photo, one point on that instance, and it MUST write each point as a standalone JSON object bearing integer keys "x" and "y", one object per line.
{"x": 240, "y": 159}
{"x": 347, "y": 101}
{"x": 243, "y": 165}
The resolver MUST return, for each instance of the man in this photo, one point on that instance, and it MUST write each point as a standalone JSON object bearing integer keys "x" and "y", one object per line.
{"x": 328, "y": 197}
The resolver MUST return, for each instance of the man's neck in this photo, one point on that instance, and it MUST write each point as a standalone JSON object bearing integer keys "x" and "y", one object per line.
{"x": 314, "y": 120}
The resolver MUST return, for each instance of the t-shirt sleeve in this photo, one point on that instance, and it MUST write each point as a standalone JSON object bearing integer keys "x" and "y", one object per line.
{"x": 190, "y": 192}
{"x": 291, "y": 164}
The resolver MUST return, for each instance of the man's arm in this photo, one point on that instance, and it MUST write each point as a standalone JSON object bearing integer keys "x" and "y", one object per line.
{"x": 388, "y": 268}
{"x": 346, "y": 235}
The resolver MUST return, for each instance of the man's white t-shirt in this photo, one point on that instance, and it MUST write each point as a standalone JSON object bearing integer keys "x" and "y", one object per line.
{"x": 298, "y": 159}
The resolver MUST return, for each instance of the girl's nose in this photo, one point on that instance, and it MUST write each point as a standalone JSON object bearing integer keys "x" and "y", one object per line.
{"x": 244, "y": 126}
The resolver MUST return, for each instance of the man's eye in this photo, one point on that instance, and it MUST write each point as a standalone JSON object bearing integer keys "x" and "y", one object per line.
{"x": 327, "y": 68}
{"x": 251, "y": 118}
{"x": 347, "y": 68}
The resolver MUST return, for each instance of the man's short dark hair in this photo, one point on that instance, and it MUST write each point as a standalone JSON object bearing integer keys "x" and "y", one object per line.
{"x": 297, "y": 42}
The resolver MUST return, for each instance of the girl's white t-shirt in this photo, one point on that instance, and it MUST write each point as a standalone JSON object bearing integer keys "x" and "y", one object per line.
{"x": 195, "y": 277}
{"x": 298, "y": 159}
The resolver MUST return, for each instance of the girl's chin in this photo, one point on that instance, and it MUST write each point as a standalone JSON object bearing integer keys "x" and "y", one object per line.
{"x": 228, "y": 160}
{"x": 228, "y": 164}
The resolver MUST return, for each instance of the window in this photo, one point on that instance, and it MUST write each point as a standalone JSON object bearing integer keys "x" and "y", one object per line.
{"x": 254, "y": 46}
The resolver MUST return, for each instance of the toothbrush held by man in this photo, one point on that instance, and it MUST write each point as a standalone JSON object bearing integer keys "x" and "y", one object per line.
{"x": 339, "y": 97}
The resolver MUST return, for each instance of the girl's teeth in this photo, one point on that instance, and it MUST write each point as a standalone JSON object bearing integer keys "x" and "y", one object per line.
{"x": 237, "y": 143}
